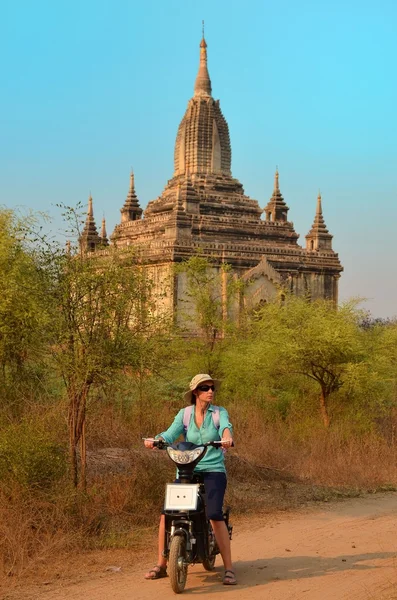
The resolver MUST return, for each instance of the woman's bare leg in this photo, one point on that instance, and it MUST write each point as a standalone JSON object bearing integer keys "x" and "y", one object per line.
{"x": 222, "y": 538}
{"x": 161, "y": 560}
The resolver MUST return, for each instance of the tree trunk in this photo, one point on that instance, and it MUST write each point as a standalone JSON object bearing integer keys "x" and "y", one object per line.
{"x": 324, "y": 408}
{"x": 83, "y": 459}
{"x": 77, "y": 407}
{"x": 72, "y": 447}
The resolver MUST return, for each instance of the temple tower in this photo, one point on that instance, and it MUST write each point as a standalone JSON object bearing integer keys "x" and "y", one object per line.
{"x": 202, "y": 142}
{"x": 89, "y": 239}
{"x": 319, "y": 237}
{"x": 276, "y": 209}
{"x": 131, "y": 210}
{"x": 104, "y": 235}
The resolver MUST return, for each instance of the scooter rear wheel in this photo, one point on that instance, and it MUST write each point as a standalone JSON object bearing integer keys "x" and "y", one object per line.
{"x": 177, "y": 567}
{"x": 209, "y": 563}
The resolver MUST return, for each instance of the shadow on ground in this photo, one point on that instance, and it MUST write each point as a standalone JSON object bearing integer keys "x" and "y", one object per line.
{"x": 264, "y": 571}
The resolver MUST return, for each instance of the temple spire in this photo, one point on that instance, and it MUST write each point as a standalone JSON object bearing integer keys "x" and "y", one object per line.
{"x": 318, "y": 222}
{"x": 202, "y": 86}
{"x": 104, "y": 236}
{"x": 276, "y": 209}
{"x": 89, "y": 238}
{"x": 131, "y": 210}
{"x": 202, "y": 145}
{"x": 319, "y": 237}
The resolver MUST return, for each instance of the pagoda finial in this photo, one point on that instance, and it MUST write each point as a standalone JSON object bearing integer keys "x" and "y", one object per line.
{"x": 202, "y": 86}
{"x": 132, "y": 180}
{"x": 90, "y": 210}
{"x": 319, "y": 210}
{"x": 103, "y": 228}
{"x": 276, "y": 183}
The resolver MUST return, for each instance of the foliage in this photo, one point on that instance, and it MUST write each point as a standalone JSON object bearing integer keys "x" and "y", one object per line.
{"x": 210, "y": 292}
{"x": 30, "y": 456}
{"x": 105, "y": 319}
{"x": 296, "y": 338}
{"x": 211, "y": 300}
{"x": 24, "y": 320}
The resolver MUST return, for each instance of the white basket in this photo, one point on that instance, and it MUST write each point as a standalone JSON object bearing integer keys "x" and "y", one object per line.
{"x": 181, "y": 496}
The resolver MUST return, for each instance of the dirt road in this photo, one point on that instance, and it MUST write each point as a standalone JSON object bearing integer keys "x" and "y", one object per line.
{"x": 345, "y": 550}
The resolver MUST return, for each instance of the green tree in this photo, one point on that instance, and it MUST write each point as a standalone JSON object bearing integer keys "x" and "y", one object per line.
{"x": 209, "y": 309}
{"x": 105, "y": 313}
{"x": 24, "y": 318}
{"x": 314, "y": 340}
{"x": 383, "y": 337}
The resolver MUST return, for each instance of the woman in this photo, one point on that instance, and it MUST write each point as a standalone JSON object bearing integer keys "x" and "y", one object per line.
{"x": 200, "y": 429}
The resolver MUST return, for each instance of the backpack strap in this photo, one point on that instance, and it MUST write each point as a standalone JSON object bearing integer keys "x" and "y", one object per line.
{"x": 187, "y": 413}
{"x": 215, "y": 416}
{"x": 216, "y": 420}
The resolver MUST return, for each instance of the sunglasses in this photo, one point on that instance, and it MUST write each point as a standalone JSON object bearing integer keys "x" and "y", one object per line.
{"x": 206, "y": 388}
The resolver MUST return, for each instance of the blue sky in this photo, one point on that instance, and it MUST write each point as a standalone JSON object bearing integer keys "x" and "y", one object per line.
{"x": 91, "y": 88}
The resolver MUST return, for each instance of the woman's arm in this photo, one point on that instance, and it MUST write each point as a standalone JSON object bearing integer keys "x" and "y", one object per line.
{"x": 225, "y": 427}
{"x": 174, "y": 431}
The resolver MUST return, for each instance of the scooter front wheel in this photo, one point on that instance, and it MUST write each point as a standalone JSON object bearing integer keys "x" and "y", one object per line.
{"x": 177, "y": 566}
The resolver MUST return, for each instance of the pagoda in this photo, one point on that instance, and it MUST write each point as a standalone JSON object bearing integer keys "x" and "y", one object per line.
{"x": 203, "y": 209}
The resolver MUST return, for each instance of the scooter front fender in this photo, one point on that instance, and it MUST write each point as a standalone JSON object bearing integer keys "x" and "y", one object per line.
{"x": 182, "y": 532}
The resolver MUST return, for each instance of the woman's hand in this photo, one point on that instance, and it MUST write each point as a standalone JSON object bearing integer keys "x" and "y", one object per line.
{"x": 227, "y": 438}
{"x": 148, "y": 442}
{"x": 227, "y": 442}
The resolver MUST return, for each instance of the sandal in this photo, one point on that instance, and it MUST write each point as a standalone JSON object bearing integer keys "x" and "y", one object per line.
{"x": 229, "y": 578}
{"x": 157, "y": 572}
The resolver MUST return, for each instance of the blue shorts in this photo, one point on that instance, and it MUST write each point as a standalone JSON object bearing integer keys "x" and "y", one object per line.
{"x": 215, "y": 488}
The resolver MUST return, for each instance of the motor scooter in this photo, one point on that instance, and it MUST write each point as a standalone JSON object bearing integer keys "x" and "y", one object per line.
{"x": 189, "y": 537}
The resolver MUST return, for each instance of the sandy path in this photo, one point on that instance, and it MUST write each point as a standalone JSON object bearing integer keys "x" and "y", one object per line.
{"x": 346, "y": 551}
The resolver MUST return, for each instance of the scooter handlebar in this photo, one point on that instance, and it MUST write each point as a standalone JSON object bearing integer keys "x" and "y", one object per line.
{"x": 157, "y": 443}
{"x": 161, "y": 444}
{"x": 217, "y": 444}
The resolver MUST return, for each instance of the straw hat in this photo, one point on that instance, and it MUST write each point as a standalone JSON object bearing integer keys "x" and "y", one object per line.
{"x": 195, "y": 382}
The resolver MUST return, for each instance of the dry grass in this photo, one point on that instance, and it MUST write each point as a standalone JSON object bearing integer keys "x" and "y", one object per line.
{"x": 32, "y": 529}
{"x": 326, "y": 458}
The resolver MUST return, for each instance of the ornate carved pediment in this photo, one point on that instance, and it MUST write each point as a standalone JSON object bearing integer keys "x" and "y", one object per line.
{"x": 263, "y": 282}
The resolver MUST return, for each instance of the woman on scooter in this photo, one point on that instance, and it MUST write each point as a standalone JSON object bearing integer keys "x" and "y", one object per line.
{"x": 202, "y": 428}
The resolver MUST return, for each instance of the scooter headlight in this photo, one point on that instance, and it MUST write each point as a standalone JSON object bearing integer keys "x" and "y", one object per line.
{"x": 184, "y": 457}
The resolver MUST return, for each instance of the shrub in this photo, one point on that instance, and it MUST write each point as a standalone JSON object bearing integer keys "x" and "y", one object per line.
{"x": 29, "y": 456}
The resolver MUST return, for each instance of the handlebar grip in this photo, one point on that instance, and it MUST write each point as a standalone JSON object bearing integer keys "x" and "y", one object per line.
{"x": 159, "y": 443}
{"x": 218, "y": 444}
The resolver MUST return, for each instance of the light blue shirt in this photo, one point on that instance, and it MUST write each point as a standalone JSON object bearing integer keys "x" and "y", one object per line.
{"x": 213, "y": 460}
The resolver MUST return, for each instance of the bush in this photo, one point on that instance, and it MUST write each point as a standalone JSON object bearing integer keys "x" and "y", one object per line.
{"x": 29, "y": 456}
